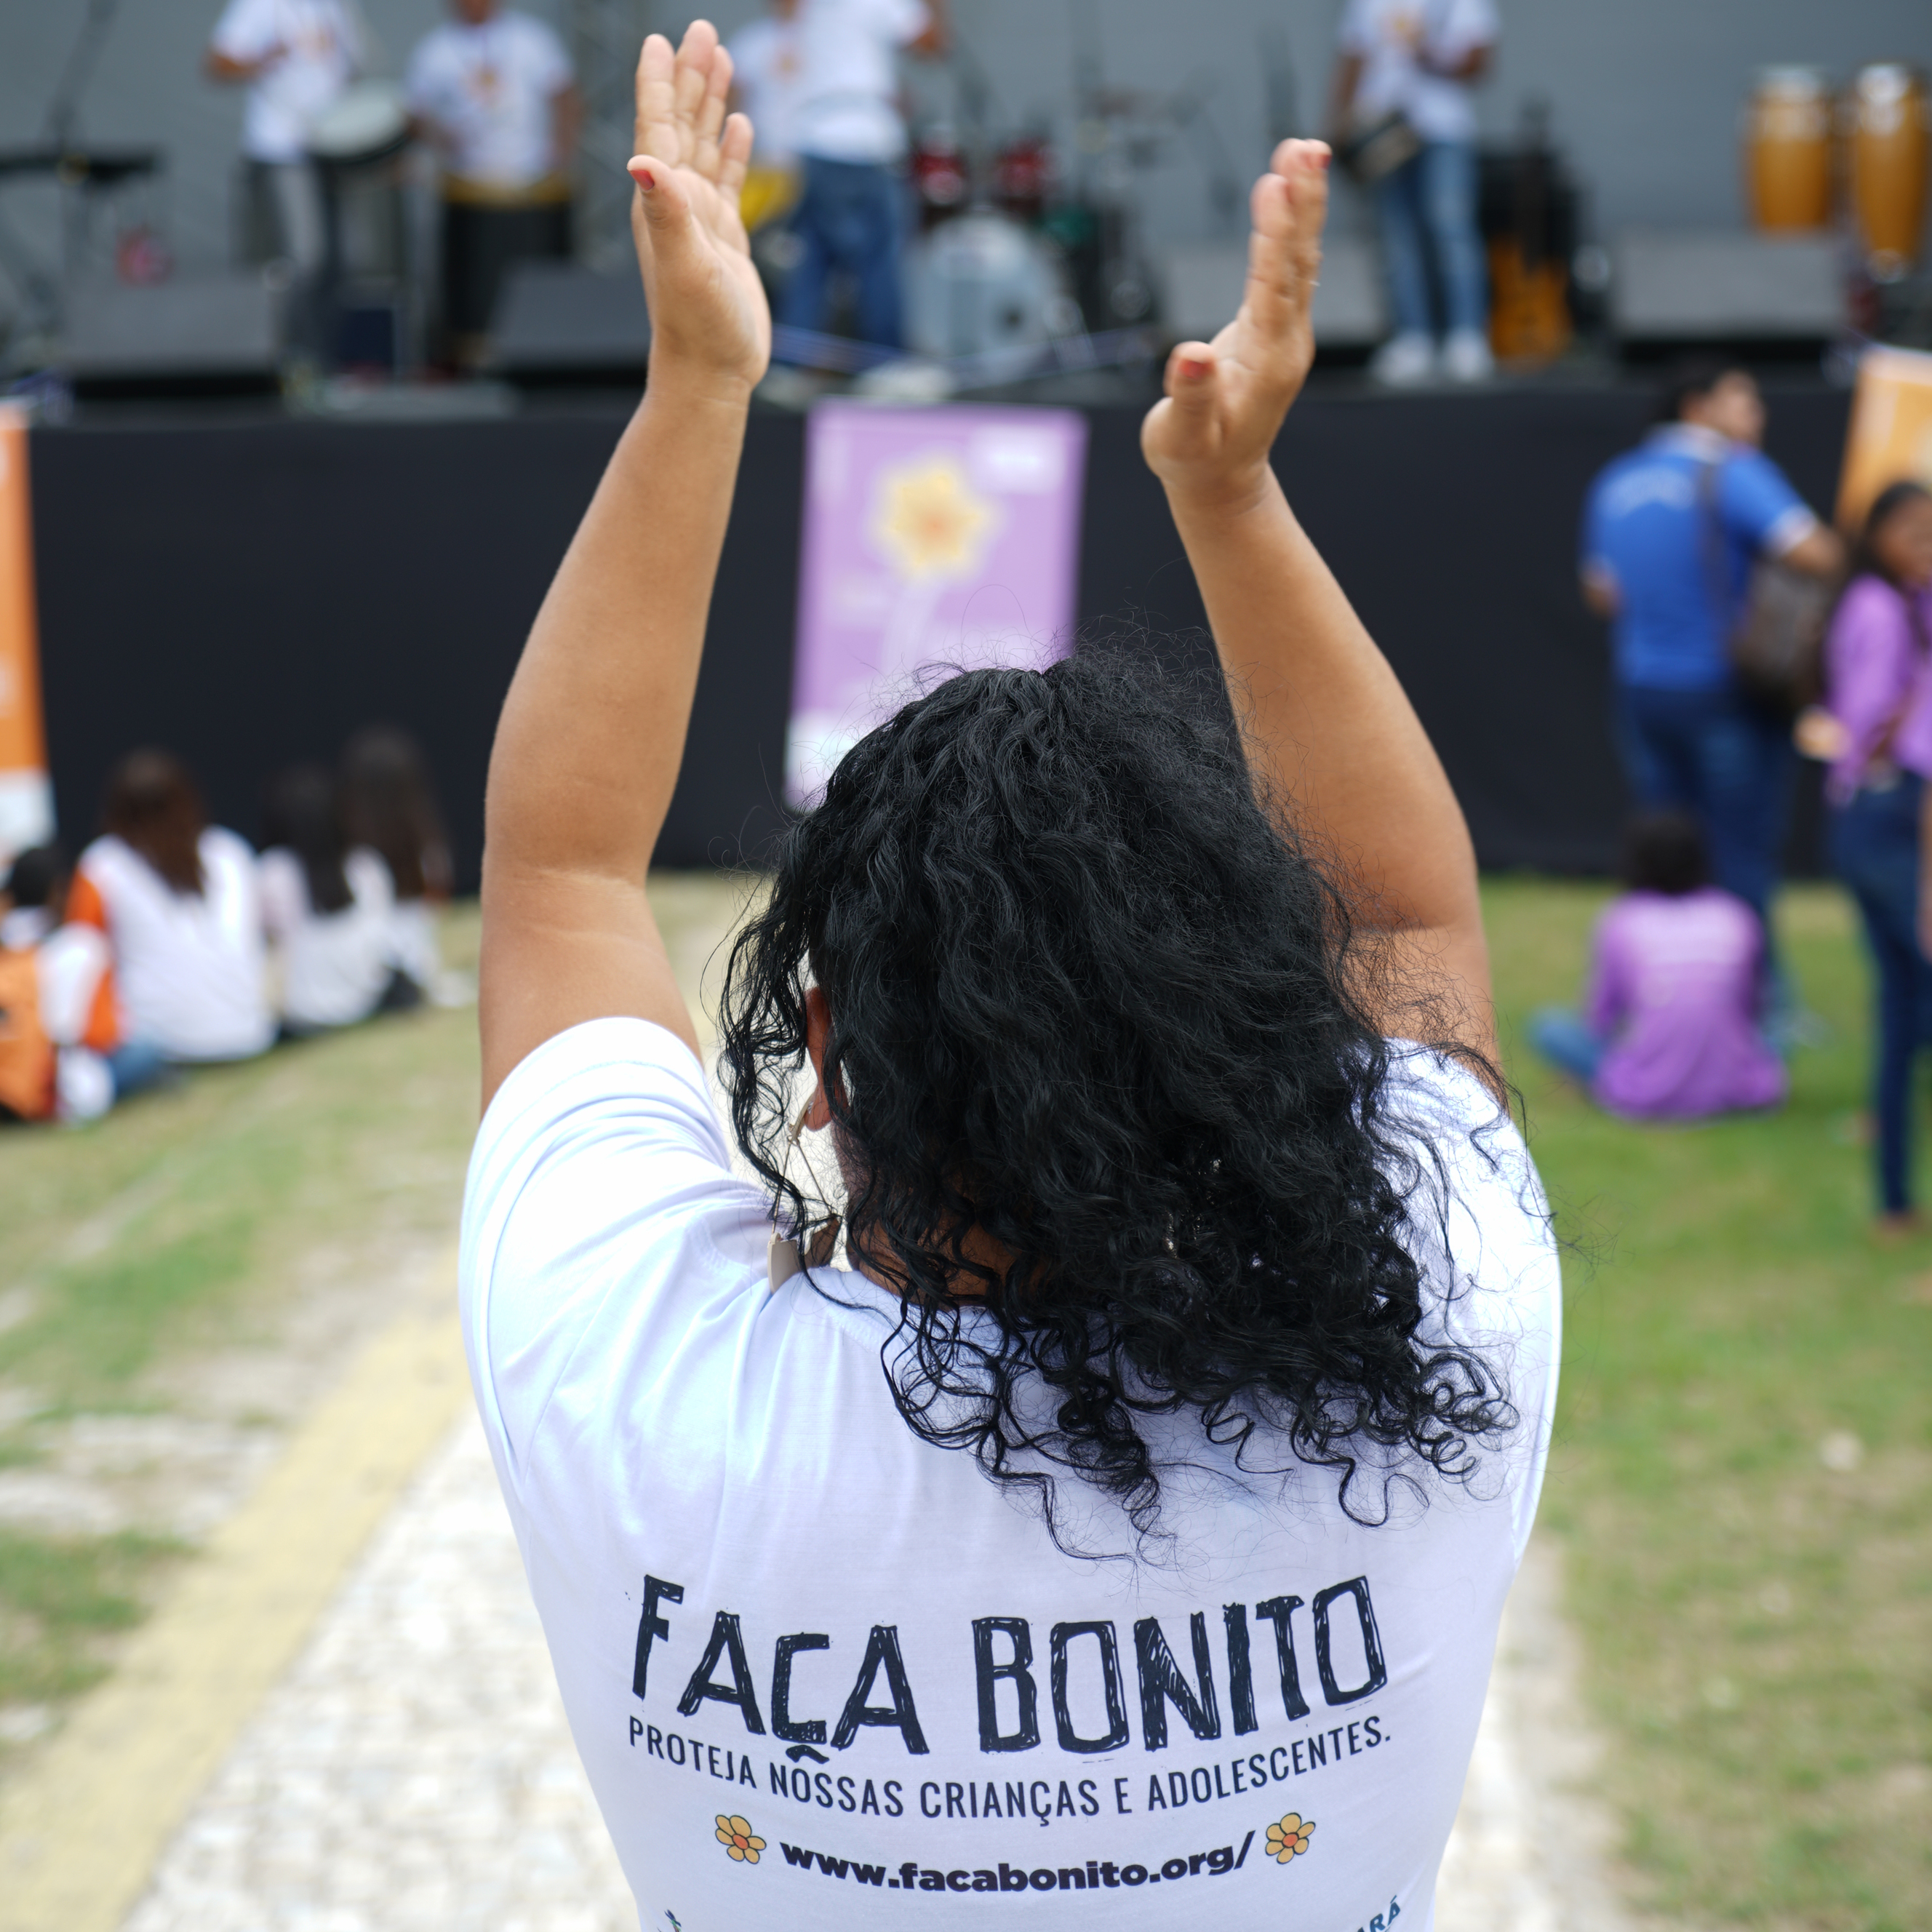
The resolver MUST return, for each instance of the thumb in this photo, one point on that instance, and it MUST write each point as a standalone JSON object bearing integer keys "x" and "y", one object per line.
{"x": 1190, "y": 382}
{"x": 667, "y": 206}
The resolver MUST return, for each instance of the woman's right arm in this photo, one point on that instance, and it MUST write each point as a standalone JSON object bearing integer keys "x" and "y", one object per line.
{"x": 1323, "y": 717}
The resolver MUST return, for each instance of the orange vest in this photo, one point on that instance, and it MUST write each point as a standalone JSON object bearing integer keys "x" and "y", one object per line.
{"x": 26, "y": 1053}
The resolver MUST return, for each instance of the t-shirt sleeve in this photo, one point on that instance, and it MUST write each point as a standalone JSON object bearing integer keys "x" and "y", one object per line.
{"x": 246, "y": 30}
{"x": 600, "y": 1170}
{"x": 1481, "y": 1230}
{"x": 1760, "y": 508}
{"x": 1463, "y": 25}
{"x": 1357, "y": 32}
{"x": 550, "y": 67}
{"x": 901, "y": 21}
{"x": 420, "y": 78}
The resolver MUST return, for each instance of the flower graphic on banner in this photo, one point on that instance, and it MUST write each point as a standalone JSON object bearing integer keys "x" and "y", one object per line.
{"x": 1288, "y": 1840}
{"x": 735, "y": 1835}
{"x": 929, "y": 521}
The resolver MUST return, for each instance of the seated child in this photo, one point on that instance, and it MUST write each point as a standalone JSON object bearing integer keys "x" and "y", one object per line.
{"x": 325, "y": 907}
{"x": 389, "y": 804}
{"x": 1671, "y": 1029}
{"x": 63, "y": 1055}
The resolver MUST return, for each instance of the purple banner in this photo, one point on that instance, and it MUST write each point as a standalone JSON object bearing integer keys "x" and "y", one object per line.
{"x": 932, "y": 537}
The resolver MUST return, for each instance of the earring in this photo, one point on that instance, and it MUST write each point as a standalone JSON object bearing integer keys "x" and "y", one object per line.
{"x": 783, "y": 1259}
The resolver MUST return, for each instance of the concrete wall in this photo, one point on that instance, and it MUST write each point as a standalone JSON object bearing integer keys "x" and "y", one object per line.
{"x": 1644, "y": 94}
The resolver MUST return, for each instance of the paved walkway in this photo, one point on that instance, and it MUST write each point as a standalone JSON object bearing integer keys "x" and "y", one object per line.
{"x": 413, "y": 1769}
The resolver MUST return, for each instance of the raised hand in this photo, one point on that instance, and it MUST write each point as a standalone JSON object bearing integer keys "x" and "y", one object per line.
{"x": 708, "y": 316}
{"x": 1225, "y": 399}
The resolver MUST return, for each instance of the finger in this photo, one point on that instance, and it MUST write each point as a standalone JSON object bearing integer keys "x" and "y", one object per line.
{"x": 695, "y": 53}
{"x": 734, "y": 155}
{"x": 1288, "y": 207}
{"x": 656, "y": 130}
{"x": 711, "y": 115}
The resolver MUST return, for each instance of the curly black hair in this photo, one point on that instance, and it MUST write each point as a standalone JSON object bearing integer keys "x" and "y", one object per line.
{"x": 1100, "y": 1055}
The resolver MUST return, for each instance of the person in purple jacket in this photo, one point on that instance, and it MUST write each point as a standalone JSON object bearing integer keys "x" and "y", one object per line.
{"x": 1879, "y": 689}
{"x": 1671, "y": 1027}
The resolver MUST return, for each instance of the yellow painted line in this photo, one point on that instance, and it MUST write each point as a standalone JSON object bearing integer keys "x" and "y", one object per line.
{"x": 80, "y": 1835}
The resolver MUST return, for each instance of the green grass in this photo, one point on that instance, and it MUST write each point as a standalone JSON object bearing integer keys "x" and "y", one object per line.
{"x": 57, "y": 1598}
{"x": 1759, "y": 1626}
{"x": 187, "y": 1222}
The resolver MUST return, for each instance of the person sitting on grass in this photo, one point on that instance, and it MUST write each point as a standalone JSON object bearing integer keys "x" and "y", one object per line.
{"x": 1672, "y": 1027}
{"x": 176, "y": 898}
{"x": 389, "y": 804}
{"x": 63, "y": 1055}
{"x": 326, "y": 906}
{"x": 1171, "y": 1430}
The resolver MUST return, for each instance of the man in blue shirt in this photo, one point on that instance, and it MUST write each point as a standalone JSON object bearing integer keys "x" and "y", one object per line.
{"x": 1670, "y": 534}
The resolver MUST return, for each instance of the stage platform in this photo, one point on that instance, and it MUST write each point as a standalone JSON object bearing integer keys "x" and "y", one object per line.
{"x": 247, "y": 588}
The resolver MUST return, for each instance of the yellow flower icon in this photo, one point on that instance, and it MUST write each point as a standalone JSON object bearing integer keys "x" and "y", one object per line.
{"x": 929, "y": 520}
{"x": 735, "y": 1835}
{"x": 1286, "y": 1840}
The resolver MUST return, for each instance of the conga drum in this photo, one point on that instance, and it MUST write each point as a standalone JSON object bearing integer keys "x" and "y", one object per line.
{"x": 1788, "y": 150}
{"x": 1888, "y": 128}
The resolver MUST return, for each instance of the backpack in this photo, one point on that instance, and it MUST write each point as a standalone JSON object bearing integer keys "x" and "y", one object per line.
{"x": 26, "y": 1053}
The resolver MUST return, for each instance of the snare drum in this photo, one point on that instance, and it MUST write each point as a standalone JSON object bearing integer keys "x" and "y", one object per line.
{"x": 368, "y": 122}
{"x": 1887, "y": 128}
{"x": 1788, "y": 150}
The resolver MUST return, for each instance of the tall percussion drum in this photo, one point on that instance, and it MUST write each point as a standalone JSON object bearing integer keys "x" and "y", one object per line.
{"x": 1887, "y": 128}
{"x": 1788, "y": 150}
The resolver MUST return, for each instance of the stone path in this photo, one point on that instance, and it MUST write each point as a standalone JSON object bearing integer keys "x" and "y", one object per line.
{"x": 414, "y": 1770}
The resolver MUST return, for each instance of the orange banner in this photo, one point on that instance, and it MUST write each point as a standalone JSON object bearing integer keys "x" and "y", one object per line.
{"x": 26, "y": 799}
{"x": 1890, "y": 438}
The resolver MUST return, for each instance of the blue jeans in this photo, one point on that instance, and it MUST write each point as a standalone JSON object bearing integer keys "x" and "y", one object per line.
{"x": 136, "y": 1063}
{"x": 1874, "y": 849}
{"x": 850, "y": 219}
{"x": 1426, "y": 206}
{"x": 1709, "y": 754}
{"x": 1562, "y": 1039}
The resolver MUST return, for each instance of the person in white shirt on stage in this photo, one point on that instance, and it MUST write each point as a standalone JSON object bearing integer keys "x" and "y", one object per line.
{"x": 493, "y": 91}
{"x": 766, "y": 68}
{"x": 1419, "y": 59}
{"x": 851, "y": 138}
{"x": 296, "y": 57}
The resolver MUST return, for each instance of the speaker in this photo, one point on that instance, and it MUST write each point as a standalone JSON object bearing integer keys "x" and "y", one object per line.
{"x": 1724, "y": 286}
{"x": 218, "y": 331}
{"x": 557, "y": 322}
{"x": 1201, "y": 283}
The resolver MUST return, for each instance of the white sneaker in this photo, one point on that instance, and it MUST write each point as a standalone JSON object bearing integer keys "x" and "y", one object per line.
{"x": 1403, "y": 361}
{"x": 1466, "y": 357}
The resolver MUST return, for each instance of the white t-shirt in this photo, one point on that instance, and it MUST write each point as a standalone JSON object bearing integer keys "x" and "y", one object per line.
{"x": 847, "y": 103}
{"x": 811, "y": 1661}
{"x": 322, "y": 49}
{"x": 767, "y": 66}
{"x": 490, "y": 90}
{"x": 189, "y": 966}
{"x": 1386, "y": 34}
{"x": 335, "y": 965}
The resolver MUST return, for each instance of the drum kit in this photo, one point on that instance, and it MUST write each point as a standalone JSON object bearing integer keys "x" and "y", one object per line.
{"x": 1808, "y": 150}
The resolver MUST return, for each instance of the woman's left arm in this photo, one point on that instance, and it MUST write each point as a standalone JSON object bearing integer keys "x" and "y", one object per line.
{"x": 593, "y": 731}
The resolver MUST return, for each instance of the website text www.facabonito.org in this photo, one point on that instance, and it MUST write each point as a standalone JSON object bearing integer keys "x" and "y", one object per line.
{"x": 1090, "y": 1874}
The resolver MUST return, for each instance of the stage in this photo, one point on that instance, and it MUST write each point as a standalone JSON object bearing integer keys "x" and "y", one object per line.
{"x": 246, "y": 590}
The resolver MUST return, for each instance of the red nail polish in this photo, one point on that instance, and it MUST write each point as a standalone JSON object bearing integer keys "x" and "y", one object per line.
{"x": 644, "y": 178}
